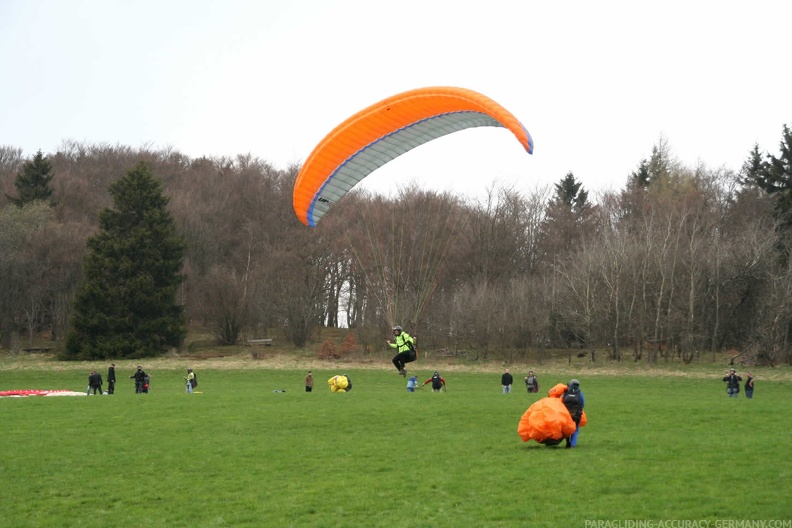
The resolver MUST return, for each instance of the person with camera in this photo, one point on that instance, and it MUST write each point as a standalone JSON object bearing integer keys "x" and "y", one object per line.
{"x": 732, "y": 383}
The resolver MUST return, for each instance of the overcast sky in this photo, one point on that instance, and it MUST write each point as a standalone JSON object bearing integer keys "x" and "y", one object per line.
{"x": 597, "y": 84}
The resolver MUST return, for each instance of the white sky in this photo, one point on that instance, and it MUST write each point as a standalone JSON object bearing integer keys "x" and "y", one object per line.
{"x": 597, "y": 84}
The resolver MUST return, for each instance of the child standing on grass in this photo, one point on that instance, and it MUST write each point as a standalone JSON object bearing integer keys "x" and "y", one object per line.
{"x": 190, "y": 379}
{"x": 749, "y": 384}
{"x": 309, "y": 382}
{"x": 412, "y": 383}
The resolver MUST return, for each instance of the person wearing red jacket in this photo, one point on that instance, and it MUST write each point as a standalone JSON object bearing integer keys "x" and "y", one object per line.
{"x": 438, "y": 383}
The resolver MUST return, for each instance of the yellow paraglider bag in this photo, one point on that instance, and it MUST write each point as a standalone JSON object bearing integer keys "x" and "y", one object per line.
{"x": 339, "y": 383}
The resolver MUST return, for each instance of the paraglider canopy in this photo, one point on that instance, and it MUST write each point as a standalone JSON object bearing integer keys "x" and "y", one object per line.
{"x": 547, "y": 420}
{"x": 340, "y": 383}
{"x": 385, "y": 130}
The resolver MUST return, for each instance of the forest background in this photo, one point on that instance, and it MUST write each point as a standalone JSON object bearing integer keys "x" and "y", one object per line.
{"x": 680, "y": 263}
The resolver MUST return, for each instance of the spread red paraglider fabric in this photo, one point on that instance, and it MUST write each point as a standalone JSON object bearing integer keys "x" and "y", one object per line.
{"x": 19, "y": 393}
{"x": 547, "y": 421}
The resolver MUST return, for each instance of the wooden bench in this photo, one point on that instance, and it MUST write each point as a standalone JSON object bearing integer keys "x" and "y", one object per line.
{"x": 262, "y": 342}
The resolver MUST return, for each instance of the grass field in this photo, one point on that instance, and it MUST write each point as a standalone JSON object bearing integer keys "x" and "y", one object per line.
{"x": 661, "y": 447}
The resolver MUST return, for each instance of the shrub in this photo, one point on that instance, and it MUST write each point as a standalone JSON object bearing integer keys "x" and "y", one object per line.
{"x": 328, "y": 350}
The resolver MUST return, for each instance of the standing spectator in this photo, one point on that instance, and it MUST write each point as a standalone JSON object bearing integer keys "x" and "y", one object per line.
{"x": 531, "y": 382}
{"x": 749, "y": 384}
{"x": 190, "y": 381}
{"x": 111, "y": 379}
{"x": 412, "y": 383}
{"x": 140, "y": 379}
{"x": 732, "y": 384}
{"x": 438, "y": 383}
{"x": 94, "y": 382}
{"x": 574, "y": 402}
{"x": 309, "y": 382}
{"x": 506, "y": 382}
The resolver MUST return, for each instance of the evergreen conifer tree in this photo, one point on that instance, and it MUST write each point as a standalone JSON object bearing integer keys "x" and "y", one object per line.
{"x": 126, "y": 307}
{"x": 775, "y": 177}
{"x": 751, "y": 172}
{"x": 640, "y": 178}
{"x": 33, "y": 181}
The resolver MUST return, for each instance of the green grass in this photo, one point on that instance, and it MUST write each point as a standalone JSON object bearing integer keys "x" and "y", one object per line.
{"x": 239, "y": 454}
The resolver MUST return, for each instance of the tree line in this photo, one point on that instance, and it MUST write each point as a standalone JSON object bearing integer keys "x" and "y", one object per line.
{"x": 680, "y": 263}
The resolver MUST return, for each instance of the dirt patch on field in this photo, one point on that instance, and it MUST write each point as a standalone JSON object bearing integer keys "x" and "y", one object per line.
{"x": 247, "y": 359}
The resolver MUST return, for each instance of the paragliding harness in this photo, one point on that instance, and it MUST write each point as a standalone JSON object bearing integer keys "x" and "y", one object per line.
{"x": 436, "y": 383}
{"x": 349, "y": 384}
{"x": 413, "y": 351}
{"x": 530, "y": 382}
{"x": 571, "y": 400}
{"x": 194, "y": 381}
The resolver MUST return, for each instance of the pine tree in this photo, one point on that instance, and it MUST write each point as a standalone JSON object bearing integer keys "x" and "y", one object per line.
{"x": 570, "y": 195}
{"x": 751, "y": 171}
{"x": 568, "y": 218}
{"x": 640, "y": 178}
{"x": 126, "y": 307}
{"x": 33, "y": 181}
{"x": 775, "y": 177}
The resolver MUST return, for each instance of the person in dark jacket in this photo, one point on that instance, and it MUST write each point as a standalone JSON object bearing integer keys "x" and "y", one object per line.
{"x": 111, "y": 379}
{"x": 732, "y": 383}
{"x": 574, "y": 402}
{"x": 749, "y": 385}
{"x": 94, "y": 382}
{"x": 506, "y": 382}
{"x": 531, "y": 382}
{"x": 140, "y": 379}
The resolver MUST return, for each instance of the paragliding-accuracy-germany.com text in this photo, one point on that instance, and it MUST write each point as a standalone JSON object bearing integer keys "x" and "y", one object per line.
{"x": 689, "y": 523}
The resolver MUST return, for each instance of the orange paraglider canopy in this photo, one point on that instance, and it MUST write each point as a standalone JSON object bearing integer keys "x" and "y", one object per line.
{"x": 384, "y": 131}
{"x": 547, "y": 421}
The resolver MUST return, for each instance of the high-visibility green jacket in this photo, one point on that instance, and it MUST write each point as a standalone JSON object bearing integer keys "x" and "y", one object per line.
{"x": 402, "y": 342}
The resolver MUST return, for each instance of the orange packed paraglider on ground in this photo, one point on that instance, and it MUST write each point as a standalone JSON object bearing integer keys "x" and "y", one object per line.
{"x": 548, "y": 421}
